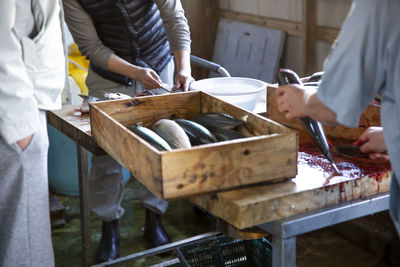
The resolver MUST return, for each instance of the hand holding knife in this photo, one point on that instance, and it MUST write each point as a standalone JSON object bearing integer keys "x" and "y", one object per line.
{"x": 313, "y": 128}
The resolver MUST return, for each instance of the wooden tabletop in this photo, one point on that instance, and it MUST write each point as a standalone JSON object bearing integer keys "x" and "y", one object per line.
{"x": 314, "y": 187}
{"x": 75, "y": 127}
{"x": 311, "y": 189}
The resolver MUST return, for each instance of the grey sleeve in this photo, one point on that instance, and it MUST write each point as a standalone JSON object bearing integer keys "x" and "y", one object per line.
{"x": 175, "y": 24}
{"x": 84, "y": 33}
{"x": 352, "y": 75}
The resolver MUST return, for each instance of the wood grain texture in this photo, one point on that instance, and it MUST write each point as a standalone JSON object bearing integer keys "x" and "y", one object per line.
{"x": 289, "y": 27}
{"x": 76, "y": 128}
{"x": 369, "y": 117}
{"x": 309, "y": 190}
{"x": 326, "y": 34}
{"x": 309, "y": 36}
{"x": 202, "y": 16}
{"x": 294, "y": 28}
{"x": 207, "y": 168}
{"x": 137, "y": 156}
{"x": 261, "y": 204}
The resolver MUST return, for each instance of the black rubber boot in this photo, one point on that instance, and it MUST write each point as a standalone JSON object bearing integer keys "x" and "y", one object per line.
{"x": 108, "y": 248}
{"x": 154, "y": 231}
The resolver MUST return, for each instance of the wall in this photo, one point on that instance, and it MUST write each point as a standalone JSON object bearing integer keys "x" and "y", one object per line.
{"x": 202, "y": 16}
{"x": 330, "y": 13}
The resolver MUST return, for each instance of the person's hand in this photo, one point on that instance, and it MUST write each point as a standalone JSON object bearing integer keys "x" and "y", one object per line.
{"x": 149, "y": 78}
{"x": 24, "y": 142}
{"x": 182, "y": 81}
{"x": 291, "y": 101}
{"x": 372, "y": 142}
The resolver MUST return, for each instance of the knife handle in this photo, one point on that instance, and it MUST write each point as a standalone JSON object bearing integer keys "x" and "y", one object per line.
{"x": 286, "y": 76}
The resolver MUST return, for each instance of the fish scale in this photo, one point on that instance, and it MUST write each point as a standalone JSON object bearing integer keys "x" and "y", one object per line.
{"x": 172, "y": 133}
{"x": 197, "y": 133}
{"x": 150, "y": 137}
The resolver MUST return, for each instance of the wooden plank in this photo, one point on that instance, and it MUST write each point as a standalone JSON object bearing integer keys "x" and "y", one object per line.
{"x": 326, "y": 34}
{"x": 149, "y": 109}
{"x": 216, "y": 169}
{"x": 369, "y": 117}
{"x": 311, "y": 189}
{"x": 309, "y": 36}
{"x": 229, "y": 164}
{"x": 76, "y": 128}
{"x": 289, "y": 27}
{"x": 323, "y": 33}
{"x": 207, "y": 168}
{"x": 127, "y": 148}
{"x": 202, "y": 18}
{"x": 256, "y": 205}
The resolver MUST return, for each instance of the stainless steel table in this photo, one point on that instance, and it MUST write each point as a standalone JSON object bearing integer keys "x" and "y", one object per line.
{"x": 285, "y": 231}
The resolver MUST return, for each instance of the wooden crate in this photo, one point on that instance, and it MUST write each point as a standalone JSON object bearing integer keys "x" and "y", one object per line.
{"x": 369, "y": 117}
{"x": 269, "y": 155}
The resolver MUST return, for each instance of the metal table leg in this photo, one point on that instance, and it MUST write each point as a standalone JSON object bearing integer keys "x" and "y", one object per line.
{"x": 84, "y": 204}
{"x": 283, "y": 251}
{"x": 284, "y": 231}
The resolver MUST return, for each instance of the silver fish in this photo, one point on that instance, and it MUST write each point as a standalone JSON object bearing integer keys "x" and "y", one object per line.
{"x": 115, "y": 96}
{"x": 171, "y": 132}
{"x": 150, "y": 137}
{"x": 197, "y": 133}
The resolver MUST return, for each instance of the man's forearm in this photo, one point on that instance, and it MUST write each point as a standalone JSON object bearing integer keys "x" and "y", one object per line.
{"x": 317, "y": 110}
{"x": 182, "y": 60}
{"x": 121, "y": 66}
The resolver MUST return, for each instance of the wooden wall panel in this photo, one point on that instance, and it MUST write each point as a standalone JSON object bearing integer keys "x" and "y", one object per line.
{"x": 203, "y": 18}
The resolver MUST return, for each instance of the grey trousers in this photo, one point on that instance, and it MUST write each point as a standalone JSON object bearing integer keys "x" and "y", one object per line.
{"x": 105, "y": 179}
{"x": 25, "y": 233}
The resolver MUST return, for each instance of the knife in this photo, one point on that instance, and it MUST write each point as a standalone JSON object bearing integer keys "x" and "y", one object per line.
{"x": 312, "y": 127}
{"x": 350, "y": 151}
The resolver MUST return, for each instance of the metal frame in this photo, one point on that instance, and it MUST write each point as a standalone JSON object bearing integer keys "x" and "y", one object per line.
{"x": 285, "y": 231}
{"x": 84, "y": 184}
{"x": 158, "y": 250}
{"x": 86, "y": 229}
{"x": 84, "y": 204}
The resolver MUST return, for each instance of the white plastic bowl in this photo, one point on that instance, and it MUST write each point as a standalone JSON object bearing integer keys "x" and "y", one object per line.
{"x": 243, "y": 92}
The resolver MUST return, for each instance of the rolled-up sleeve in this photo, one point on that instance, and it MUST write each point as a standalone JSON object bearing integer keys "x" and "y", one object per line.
{"x": 18, "y": 107}
{"x": 85, "y": 35}
{"x": 175, "y": 24}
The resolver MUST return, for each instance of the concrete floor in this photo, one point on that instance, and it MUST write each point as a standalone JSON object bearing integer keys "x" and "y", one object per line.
{"x": 369, "y": 241}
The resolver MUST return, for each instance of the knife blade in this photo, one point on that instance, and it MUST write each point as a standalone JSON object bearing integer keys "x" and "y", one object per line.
{"x": 350, "y": 151}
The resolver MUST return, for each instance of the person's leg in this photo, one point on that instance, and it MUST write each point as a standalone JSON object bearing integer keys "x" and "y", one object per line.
{"x": 106, "y": 191}
{"x": 154, "y": 231}
{"x": 106, "y": 179}
{"x": 25, "y": 233}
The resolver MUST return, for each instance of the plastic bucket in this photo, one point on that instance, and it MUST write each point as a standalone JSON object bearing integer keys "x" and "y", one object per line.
{"x": 63, "y": 164}
{"x": 243, "y": 92}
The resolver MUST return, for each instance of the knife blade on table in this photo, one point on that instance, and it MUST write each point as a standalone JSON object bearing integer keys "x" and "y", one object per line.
{"x": 350, "y": 151}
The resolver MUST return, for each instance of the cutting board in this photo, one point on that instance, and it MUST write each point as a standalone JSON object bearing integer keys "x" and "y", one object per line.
{"x": 247, "y": 50}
